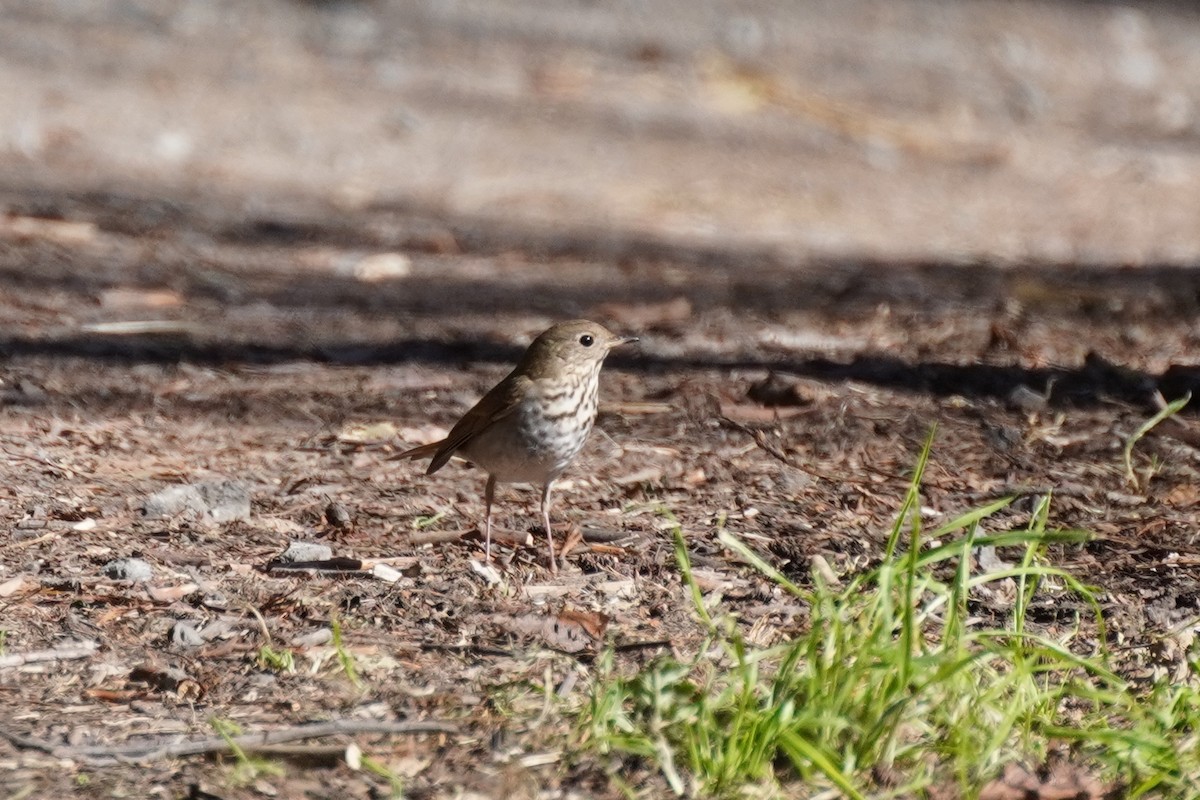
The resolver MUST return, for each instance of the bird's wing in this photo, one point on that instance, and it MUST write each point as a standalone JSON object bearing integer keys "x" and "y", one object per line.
{"x": 501, "y": 401}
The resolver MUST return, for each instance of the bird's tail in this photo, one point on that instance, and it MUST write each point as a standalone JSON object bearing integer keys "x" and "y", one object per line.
{"x": 417, "y": 452}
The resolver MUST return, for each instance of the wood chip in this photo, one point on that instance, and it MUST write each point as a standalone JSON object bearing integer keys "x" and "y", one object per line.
{"x": 64, "y": 653}
{"x": 12, "y": 586}
{"x": 169, "y": 594}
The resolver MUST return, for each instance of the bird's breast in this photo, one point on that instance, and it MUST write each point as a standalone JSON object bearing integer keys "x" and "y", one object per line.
{"x": 541, "y": 437}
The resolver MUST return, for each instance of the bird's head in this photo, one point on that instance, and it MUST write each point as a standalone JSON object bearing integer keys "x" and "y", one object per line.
{"x": 576, "y": 346}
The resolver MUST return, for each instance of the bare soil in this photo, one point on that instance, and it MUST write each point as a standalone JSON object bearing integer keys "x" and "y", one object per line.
{"x": 834, "y": 226}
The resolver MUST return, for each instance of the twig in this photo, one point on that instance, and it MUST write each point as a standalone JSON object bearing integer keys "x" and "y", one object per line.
{"x": 45, "y": 537}
{"x": 335, "y": 564}
{"x": 759, "y": 438}
{"x": 773, "y": 450}
{"x": 63, "y": 653}
{"x": 770, "y": 448}
{"x": 1027, "y": 489}
{"x": 157, "y": 751}
{"x": 647, "y": 645}
{"x": 302, "y": 753}
{"x": 65, "y": 472}
{"x": 436, "y": 537}
{"x": 606, "y": 535}
{"x": 515, "y": 538}
{"x": 472, "y": 649}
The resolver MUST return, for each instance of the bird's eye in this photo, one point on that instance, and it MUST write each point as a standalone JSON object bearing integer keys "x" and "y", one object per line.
{"x": 586, "y": 340}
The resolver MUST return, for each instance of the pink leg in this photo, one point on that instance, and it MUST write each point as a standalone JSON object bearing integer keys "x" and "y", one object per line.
{"x": 489, "y": 493}
{"x": 546, "y": 522}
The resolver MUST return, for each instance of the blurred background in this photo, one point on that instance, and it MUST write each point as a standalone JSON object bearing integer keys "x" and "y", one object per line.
{"x": 530, "y": 159}
{"x": 1059, "y": 130}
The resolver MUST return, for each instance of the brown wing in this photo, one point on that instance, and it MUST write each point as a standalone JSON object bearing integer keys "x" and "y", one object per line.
{"x": 501, "y": 401}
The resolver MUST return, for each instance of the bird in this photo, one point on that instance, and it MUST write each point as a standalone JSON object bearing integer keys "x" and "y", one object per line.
{"x": 533, "y": 423}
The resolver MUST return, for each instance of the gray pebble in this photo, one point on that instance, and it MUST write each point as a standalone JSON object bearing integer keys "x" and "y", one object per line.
{"x": 1022, "y": 398}
{"x": 128, "y": 569}
{"x": 216, "y": 501}
{"x": 172, "y": 501}
{"x": 184, "y": 635}
{"x": 791, "y": 481}
{"x": 338, "y": 516}
{"x": 227, "y": 500}
{"x": 305, "y": 551}
{"x": 313, "y": 638}
{"x": 220, "y": 628}
{"x": 215, "y": 600}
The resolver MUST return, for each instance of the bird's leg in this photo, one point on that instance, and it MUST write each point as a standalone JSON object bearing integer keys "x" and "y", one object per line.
{"x": 489, "y": 493}
{"x": 546, "y": 522}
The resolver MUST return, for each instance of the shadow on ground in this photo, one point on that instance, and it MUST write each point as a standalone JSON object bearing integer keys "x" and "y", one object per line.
{"x": 1096, "y": 382}
{"x": 625, "y": 269}
{"x": 738, "y": 276}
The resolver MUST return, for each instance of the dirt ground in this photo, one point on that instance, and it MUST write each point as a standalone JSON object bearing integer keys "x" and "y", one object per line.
{"x": 274, "y": 243}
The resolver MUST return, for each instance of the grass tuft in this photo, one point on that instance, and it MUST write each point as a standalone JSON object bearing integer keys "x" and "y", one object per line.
{"x": 345, "y": 657}
{"x": 276, "y": 660}
{"x": 899, "y": 682}
{"x": 247, "y": 768}
{"x": 1167, "y": 411}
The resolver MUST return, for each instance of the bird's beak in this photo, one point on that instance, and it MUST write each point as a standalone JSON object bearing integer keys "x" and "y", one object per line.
{"x": 623, "y": 340}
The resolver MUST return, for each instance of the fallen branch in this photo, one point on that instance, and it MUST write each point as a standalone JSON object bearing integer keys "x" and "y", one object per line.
{"x": 514, "y": 538}
{"x": 65, "y": 653}
{"x": 45, "y": 537}
{"x": 253, "y": 742}
{"x": 760, "y": 439}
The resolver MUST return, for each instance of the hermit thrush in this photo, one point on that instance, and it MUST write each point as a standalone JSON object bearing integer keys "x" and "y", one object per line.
{"x": 532, "y": 424}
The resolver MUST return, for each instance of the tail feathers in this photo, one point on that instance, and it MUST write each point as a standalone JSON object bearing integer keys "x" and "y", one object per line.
{"x": 432, "y": 449}
{"x": 417, "y": 452}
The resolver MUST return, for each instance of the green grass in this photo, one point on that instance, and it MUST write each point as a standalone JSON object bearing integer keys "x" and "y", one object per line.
{"x": 344, "y": 657}
{"x": 276, "y": 660}
{"x": 894, "y": 675}
{"x": 1169, "y": 410}
{"x": 379, "y": 769}
{"x": 246, "y": 768}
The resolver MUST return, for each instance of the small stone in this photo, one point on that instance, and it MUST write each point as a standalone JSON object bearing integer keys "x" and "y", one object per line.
{"x": 174, "y": 500}
{"x": 386, "y": 573}
{"x": 313, "y": 638}
{"x": 988, "y": 560}
{"x": 338, "y": 516}
{"x": 305, "y": 551}
{"x": 266, "y": 789}
{"x": 160, "y": 677}
{"x": 1022, "y": 398}
{"x": 215, "y": 501}
{"x": 184, "y": 635}
{"x": 777, "y": 390}
{"x": 128, "y": 569}
{"x": 792, "y": 481}
{"x": 220, "y": 628}
{"x": 226, "y": 500}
